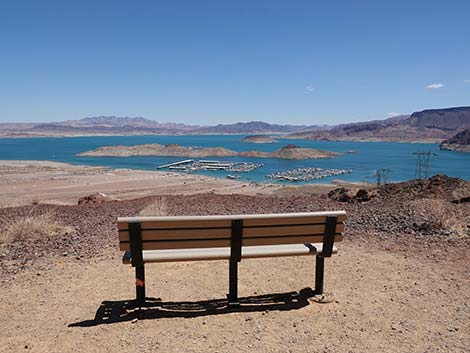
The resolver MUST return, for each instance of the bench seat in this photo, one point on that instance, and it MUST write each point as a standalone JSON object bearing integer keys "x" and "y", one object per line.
{"x": 249, "y": 252}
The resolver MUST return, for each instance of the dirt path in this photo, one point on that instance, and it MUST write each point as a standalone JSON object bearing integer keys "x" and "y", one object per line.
{"x": 385, "y": 302}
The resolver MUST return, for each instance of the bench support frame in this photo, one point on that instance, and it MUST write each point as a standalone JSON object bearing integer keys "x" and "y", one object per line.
{"x": 135, "y": 234}
{"x": 327, "y": 251}
{"x": 235, "y": 258}
{"x": 319, "y": 274}
{"x": 140, "y": 286}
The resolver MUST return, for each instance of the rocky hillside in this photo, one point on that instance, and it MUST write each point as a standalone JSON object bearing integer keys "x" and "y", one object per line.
{"x": 449, "y": 119}
{"x": 459, "y": 142}
{"x": 432, "y": 125}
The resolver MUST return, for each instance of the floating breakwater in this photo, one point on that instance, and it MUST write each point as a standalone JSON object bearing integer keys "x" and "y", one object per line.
{"x": 305, "y": 174}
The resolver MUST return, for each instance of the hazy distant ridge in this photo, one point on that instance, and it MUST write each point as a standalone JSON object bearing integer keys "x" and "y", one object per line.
{"x": 139, "y": 125}
{"x": 432, "y": 125}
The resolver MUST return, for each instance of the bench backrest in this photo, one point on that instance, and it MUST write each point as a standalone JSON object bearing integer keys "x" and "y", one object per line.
{"x": 153, "y": 233}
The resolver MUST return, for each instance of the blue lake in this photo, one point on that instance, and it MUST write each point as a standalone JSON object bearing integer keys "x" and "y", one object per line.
{"x": 368, "y": 156}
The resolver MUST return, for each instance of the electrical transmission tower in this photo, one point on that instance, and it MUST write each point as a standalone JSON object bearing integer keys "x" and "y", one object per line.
{"x": 382, "y": 176}
{"x": 423, "y": 164}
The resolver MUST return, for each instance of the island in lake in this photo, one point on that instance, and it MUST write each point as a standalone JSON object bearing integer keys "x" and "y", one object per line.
{"x": 174, "y": 150}
{"x": 459, "y": 142}
{"x": 259, "y": 139}
{"x": 292, "y": 152}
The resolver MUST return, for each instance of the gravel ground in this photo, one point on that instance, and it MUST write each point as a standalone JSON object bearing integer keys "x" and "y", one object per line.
{"x": 401, "y": 216}
{"x": 400, "y": 281}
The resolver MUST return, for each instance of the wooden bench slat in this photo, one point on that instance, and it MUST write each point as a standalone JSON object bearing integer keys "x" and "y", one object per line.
{"x": 272, "y": 217}
{"x": 177, "y": 255}
{"x": 288, "y": 230}
{"x": 179, "y": 234}
{"x": 288, "y": 220}
{"x": 279, "y": 240}
{"x": 215, "y": 243}
{"x": 218, "y": 223}
{"x": 184, "y": 244}
{"x": 227, "y": 223}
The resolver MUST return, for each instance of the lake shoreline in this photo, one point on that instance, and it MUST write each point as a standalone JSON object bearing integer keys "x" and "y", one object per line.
{"x": 24, "y": 182}
{"x": 278, "y": 136}
{"x": 400, "y": 158}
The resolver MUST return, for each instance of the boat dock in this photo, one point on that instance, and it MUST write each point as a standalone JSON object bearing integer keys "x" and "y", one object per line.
{"x": 166, "y": 166}
{"x": 306, "y": 174}
{"x": 191, "y": 165}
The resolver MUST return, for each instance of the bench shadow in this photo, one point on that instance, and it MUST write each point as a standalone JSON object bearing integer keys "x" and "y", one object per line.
{"x": 124, "y": 310}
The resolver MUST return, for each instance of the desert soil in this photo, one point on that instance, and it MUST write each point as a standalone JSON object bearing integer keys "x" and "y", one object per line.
{"x": 400, "y": 280}
{"x": 26, "y": 182}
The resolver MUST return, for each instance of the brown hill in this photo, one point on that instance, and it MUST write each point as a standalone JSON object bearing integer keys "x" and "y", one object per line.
{"x": 291, "y": 152}
{"x": 286, "y": 152}
{"x": 459, "y": 142}
{"x": 156, "y": 149}
{"x": 258, "y": 139}
{"x": 432, "y": 125}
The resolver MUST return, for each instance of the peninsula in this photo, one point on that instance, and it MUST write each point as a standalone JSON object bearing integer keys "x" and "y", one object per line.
{"x": 174, "y": 150}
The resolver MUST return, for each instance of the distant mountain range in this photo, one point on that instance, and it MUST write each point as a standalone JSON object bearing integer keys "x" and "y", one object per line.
{"x": 253, "y": 127}
{"x": 433, "y": 125}
{"x": 112, "y": 125}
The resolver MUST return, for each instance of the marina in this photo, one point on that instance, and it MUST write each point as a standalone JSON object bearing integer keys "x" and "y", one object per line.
{"x": 369, "y": 156}
{"x": 306, "y": 174}
{"x": 192, "y": 165}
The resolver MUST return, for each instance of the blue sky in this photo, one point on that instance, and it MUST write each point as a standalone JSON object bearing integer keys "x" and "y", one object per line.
{"x": 207, "y": 62}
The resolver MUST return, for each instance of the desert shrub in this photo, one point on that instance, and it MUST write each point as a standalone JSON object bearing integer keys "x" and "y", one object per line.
{"x": 157, "y": 208}
{"x": 33, "y": 227}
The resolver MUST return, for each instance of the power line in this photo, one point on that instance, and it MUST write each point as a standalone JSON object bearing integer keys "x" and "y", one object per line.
{"x": 382, "y": 176}
{"x": 423, "y": 164}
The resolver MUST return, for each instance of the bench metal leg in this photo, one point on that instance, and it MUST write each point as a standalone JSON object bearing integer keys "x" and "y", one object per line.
{"x": 233, "y": 285}
{"x": 319, "y": 274}
{"x": 140, "y": 286}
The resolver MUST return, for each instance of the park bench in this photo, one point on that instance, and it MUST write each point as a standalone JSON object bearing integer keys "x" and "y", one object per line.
{"x": 232, "y": 237}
